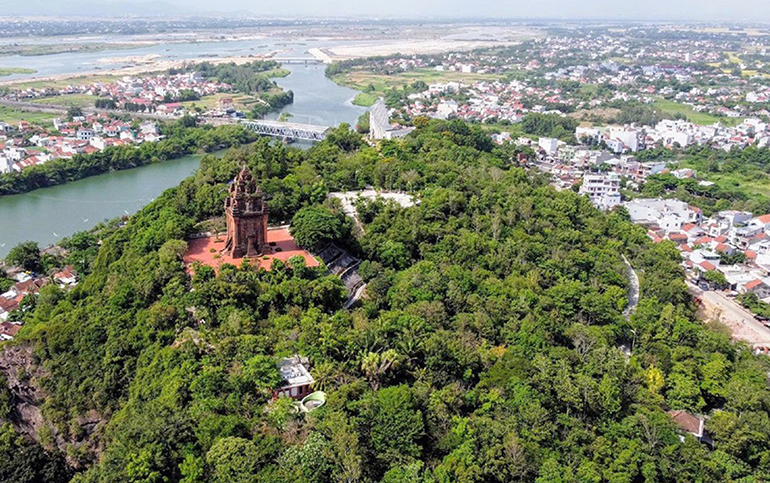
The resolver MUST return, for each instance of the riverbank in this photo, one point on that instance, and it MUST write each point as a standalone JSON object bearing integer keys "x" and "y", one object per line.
{"x": 182, "y": 142}
{"x": 144, "y": 65}
{"x": 79, "y": 205}
{"x": 49, "y": 214}
{"x": 6, "y": 71}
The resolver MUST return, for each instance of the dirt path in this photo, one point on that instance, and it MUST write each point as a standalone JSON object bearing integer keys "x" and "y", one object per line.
{"x": 740, "y": 321}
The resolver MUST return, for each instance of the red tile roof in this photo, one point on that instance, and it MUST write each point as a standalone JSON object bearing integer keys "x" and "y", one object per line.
{"x": 753, "y": 284}
{"x": 707, "y": 265}
{"x": 10, "y": 329}
{"x": 687, "y": 422}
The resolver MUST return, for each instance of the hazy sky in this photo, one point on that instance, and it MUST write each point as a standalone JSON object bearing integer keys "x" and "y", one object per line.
{"x": 688, "y": 10}
{"x": 750, "y": 10}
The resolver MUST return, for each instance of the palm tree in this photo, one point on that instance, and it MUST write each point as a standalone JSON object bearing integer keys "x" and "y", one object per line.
{"x": 374, "y": 365}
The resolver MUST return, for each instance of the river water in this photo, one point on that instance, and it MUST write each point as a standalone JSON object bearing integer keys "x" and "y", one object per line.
{"x": 48, "y": 214}
{"x": 107, "y": 60}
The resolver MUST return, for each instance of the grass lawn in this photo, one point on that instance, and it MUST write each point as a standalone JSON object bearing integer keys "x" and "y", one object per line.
{"x": 13, "y": 116}
{"x": 4, "y": 71}
{"x": 361, "y": 79}
{"x": 702, "y": 118}
{"x": 365, "y": 100}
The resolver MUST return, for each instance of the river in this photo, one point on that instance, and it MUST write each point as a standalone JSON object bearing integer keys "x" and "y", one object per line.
{"x": 48, "y": 214}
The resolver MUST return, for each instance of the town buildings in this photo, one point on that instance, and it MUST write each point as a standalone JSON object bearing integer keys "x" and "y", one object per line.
{"x": 28, "y": 145}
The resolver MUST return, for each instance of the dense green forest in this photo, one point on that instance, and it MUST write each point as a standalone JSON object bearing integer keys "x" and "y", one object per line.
{"x": 487, "y": 348}
{"x": 181, "y": 139}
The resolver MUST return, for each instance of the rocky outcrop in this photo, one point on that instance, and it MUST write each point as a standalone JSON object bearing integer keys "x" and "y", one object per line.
{"x": 18, "y": 367}
{"x": 22, "y": 373}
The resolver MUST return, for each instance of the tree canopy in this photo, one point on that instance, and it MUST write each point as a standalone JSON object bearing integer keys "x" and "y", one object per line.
{"x": 490, "y": 345}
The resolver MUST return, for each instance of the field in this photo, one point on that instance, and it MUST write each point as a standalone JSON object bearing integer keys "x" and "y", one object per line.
{"x": 753, "y": 184}
{"x": 58, "y": 83}
{"x": 239, "y": 101}
{"x": 79, "y": 100}
{"x": 4, "y": 71}
{"x": 361, "y": 79}
{"x": 671, "y": 107}
{"x": 365, "y": 100}
{"x": 13, "y": 116}
{"x": 599, "y": 112}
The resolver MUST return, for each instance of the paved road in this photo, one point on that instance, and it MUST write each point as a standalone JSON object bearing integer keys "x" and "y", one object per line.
{"x": 740, "y": 321}
{"x": 633, "y": 288}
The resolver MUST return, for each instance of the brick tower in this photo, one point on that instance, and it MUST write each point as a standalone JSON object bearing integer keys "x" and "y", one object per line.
{"x": 246, "y": 213}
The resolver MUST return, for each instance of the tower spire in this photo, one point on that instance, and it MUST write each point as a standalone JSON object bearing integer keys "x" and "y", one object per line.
{"x": 246, "y": 213}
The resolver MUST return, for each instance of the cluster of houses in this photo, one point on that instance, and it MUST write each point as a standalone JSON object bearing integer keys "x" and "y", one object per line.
{"x": 157, "y": 93}
{"x": 584, "y": 72}
{"x": 676, "y": 134}
{"x": 570, "y": 165}
{"x": 29, "y": 145}
{"x": 708, "y": 244}
{"x": 27, "y": 285}
{"x": 482, "y": 101}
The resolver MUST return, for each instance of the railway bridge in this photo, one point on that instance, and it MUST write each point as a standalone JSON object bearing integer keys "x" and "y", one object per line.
{"x": 287, "y": 130}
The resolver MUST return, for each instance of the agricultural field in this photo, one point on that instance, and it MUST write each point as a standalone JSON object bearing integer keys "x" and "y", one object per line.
{"x": 240, "y": 101}
{"x": 13, "y": 116}
{"x": 362, "y": 80}
{"x": 78, "y": 100}
{"x": 63, "y": 82}
{"x": 671, "y": 107}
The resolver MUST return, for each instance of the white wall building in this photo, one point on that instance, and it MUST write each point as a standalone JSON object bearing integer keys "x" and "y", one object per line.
{"x": 602, "y": 189}
{"x": 549, "y": 145}
{"x": 669, "y": 215}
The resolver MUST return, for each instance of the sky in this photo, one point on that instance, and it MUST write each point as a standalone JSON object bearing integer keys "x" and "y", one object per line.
{"x": 685, "y": 10}
{"x": 752, "y": 10}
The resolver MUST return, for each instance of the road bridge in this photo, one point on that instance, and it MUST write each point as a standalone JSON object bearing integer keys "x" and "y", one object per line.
{"x": 288, "y": 130}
